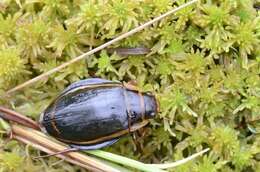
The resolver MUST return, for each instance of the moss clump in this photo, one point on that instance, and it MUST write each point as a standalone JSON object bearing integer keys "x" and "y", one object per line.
{"x": 12, "y": 66}
{"x": 204, "y": 66}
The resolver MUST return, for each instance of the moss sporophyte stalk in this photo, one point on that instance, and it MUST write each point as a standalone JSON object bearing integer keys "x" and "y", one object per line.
{"x": 202, "y": 63}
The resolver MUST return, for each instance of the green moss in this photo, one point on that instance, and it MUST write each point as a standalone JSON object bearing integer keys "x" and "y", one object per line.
{"x": 204, "y": 67}
{"x": 11, "y": 67}
{"x": 10, "y": 161}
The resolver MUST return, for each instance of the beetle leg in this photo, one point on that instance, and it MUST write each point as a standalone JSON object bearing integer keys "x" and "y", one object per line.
{"x": 137, "y": 144}
{"x": 134, "y": 139}
{"x": 141, "y": 132}
{"x": 58, "y": 153}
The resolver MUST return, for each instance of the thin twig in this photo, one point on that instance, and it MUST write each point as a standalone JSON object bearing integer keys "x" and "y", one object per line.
{"x": 82, "y": 56}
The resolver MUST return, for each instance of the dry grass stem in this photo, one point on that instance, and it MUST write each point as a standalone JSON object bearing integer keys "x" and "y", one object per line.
{"x": 44, "y": 143}
{"x": 13, "y": 116}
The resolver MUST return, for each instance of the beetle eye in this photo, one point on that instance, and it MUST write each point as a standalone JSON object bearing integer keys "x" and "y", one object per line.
{"x": 149, "y": 93}
{"x": 152, "y": 114}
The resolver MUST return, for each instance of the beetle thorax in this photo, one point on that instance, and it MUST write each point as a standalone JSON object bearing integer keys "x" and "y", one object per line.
{"x": 140, "y": 106}
{"x": 134, "y": 105}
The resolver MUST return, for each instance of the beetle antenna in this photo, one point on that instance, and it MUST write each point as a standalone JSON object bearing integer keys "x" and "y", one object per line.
{"x": 57, "y": 153}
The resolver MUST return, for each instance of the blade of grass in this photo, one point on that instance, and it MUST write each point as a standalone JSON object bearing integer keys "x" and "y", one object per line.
{"x": 180, "y": 162}
{"x": 82, "y": 56}
{"x": 124, "y": 161}
{"x": 115, "y": 165}
{"x": 139, "y": 165}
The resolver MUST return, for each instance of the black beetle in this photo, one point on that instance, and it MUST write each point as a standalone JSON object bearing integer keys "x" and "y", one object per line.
{"x": 94, "y": 113}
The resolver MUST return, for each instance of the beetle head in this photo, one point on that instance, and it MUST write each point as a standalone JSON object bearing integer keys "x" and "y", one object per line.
{"x": 151, "y": 105}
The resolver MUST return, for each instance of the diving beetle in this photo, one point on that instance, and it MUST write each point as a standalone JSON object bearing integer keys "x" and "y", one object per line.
{"x": 94, "y": 113}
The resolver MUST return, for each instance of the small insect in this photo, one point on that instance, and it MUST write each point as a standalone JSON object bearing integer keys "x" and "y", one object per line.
{"x": 94, "y": 113}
